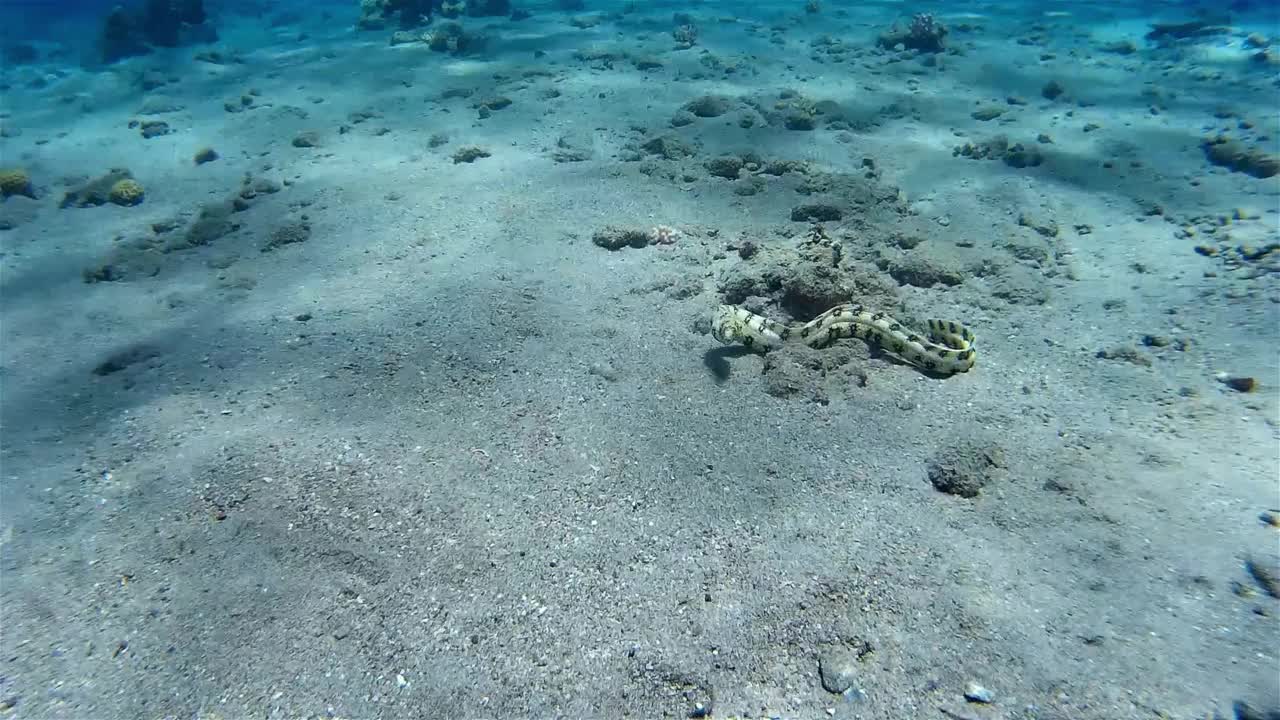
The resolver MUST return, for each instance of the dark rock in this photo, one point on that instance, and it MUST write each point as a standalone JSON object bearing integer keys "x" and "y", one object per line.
{"x": 726, "y": 167}
{"x": 709, "y": 106}
{"x": 306, "y": 139}
{"x": 469, "y": 154}
{"x": 153, "y": 128}
{"x": 965, "y": 470}
{"x": 287, "y": 235}
{"x": 613, "y": 238}
{"x": 1238, "y": 157}
{"x": 20, "y": 54}
{"x": 124, "y": 358}
{"x": 921, "y": 272}
{"x": 669, "y": 147}
{"x": 816, "y": 212}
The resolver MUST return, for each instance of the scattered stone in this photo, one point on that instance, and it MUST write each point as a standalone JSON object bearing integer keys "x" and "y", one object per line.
{"x": 726, "y": 167}
{"x": 97, "y": 191}
{"x": 122, "y": 359}
{"x": 709, "y": 106}
{"x": 973, "y": 692}
{"x": 1256, "y": 41}
{"x": 1125, "y": 353}
{"x": 669, "y": 147}
{"x": 153, "y": 128}
{"x": 140, "y": 257}
{"x": 1046, "y": 227}
{"x": 158, "y": 104}
{"x": 470, "y": 154}
{"x": 998, "y": 147}
{"x": 1120, "y": 47}
{"x": 603, "y": 370}
{"x": 213, "y": 223}
{"x": 1167, "y": 32}
{"x": 1244, "y": 711}
{"x": 1239, "y": 383}
{"x": 918, "y": 271}
{"x": 568, "y": 151}
{"x": 965, "y": 470}
{"x": 1234, "y": 155}
{"x": 20, "y": 53}
{"x": 251, "y": 188}
{"x": 800, "y": 120}
{"x": 791, "y": 373}
{"x": 838, "y": 670}
{"x": 1265, "y": 572}
{"x": 1052, "y": 90}
{"x": 990, "y": 112}
{"x": 488, "y": 105}
{"x": 287, "y": 235}
{"x": 204, "y": 155}
{"x": 217, "y": 57}
{"x": 306, "y": 139}
{"x": 18, "y": 210}
{"x": 816, "y": 212}
{"x": 683, "y": 118}
{"x": 990, "y": 149}
{"x": 240, "y": 104}
{"x": 1021, "y": 156}
{"x": 405, "y": 37}
{"x": 613, "y": 238}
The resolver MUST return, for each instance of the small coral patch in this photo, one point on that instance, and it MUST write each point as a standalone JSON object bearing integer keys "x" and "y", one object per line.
{"x": 126, "y": 192}
{"x": 15, "y": 181}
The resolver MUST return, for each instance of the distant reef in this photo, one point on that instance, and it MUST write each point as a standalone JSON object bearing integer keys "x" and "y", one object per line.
{"x": 138, "y": 29}
{"x": 407, "y": 14}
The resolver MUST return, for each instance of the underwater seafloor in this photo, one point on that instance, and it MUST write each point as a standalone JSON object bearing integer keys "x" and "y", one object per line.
{"x": 367, "y": 372}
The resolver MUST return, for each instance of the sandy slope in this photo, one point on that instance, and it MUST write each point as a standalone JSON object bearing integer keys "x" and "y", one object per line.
{"x": 447, "y": 458}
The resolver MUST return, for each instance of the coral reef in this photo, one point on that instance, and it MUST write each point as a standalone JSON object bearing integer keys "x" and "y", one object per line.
{"x": 376, "y": 14}
{"x": 924, "y": 34}
{"x": 158, "y": 23}
{"x": 408, "y": 14}
{"x": 686, "y": 36}
{"x": 450, "y": 37}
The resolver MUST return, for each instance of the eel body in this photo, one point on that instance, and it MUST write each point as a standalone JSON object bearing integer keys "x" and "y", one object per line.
{"x": 947, "y": 348}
